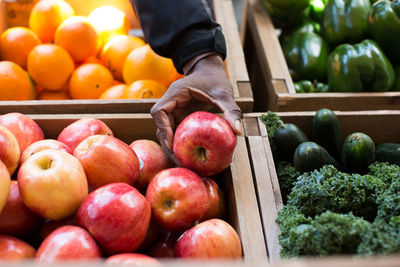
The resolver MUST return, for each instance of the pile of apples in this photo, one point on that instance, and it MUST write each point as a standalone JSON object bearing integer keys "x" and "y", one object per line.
{"x": 88, "y": 195}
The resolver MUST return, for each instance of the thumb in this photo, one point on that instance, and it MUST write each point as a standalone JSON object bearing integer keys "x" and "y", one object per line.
{"x": 232, "y": 113}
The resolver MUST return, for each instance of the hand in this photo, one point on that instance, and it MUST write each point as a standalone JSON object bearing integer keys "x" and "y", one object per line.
{"x": 205, "y": 85}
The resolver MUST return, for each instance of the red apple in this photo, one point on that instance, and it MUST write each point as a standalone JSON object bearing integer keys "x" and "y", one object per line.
{"x": 26, "y": 130}
{"x": 68, "y": 243}
{"x": 81, "y": 129}
{"x": 152, "y": 160}
{"x": 9, "y": 149}
{"x": 164, "y": 248}
{"x": 216, "y": 198}
{"x": 132, "y": 259}
{"x": 12, "y": 248}
{"x": 117, "y": 216}
{"x": 52, "y": 184}
{"x": 210, "y": 239}
{"x": 49, "y": 226}
{"x": 204, "y": 143}
{"x": 5, "y": 185}
{"x": 178, "y": 198}
{"x": 16, "y": 219}
{"x": 42, "y": 145}
{"x": 107, "y": 159}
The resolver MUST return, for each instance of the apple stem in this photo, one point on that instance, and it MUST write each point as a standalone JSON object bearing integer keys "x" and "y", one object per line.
{"x": 202, "y": 153}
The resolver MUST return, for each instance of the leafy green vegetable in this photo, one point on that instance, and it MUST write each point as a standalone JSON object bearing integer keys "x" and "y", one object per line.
{"x": 287, "y": 175}
{"x": 328, "y": 189}
{"x": 271, "y": 121}
{"x": 381, "y": 238}
{"x": 330, "y": 212}
{"x": 329, "y": 233}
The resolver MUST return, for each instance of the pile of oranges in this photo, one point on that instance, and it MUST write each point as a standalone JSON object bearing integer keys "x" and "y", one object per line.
{"x": 65, "y": 56}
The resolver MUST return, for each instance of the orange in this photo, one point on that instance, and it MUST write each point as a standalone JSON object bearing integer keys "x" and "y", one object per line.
{"x": 116, "y": 50}
{"x": 114, "y": 92}
{"x": 16, "y": 43}
{"x": 50, "y": 66}
{"x": 79, "y": 37}
{"x": 109, "y": 22}
{"x": 144, "y": 89}
{"x": 143, "y": 64}
{"x": 14, "y": 82}
{"x": 89, "y": 81}
{"x": 54, "y": 95}
{"x": 46, "y": 15}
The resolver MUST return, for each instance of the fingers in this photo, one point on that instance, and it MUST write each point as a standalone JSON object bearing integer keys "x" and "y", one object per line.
{"x": 160, "y": 112}
{"x": 232, "y": 112}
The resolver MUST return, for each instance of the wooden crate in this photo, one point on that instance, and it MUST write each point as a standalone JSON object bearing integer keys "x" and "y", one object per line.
{"x": 266, "y": 178}
{"x": 273, "y": 86}
{"x": 236, "y": 181}
{"x": 235, "y": 65}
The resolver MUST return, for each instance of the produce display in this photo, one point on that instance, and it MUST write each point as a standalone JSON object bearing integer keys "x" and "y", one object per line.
{"x": 62, "y": 55}
{"x": 90, "y": 196}
{"x": 339, "y": 45}
{"x": 340, "y": 196}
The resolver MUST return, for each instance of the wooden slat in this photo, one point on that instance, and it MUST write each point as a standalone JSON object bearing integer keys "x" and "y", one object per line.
{"x": 251, "y": 230}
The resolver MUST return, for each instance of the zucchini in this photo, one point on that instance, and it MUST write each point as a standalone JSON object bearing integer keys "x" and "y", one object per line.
{"x": 388, "y": 152}
{"x": 310, "y": 156}
{"x": 358, "y": 152}
{"x": 326, "y": 132}
{"x": 287, "y": 137}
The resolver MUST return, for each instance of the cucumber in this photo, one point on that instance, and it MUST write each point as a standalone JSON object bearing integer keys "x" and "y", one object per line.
{"x": 326, "y": 132}
{"x": 287, "y": 138}
{"x": 310, "y": 156}
{"x": 388, "y": 152}
{"x": 358, "y": 152}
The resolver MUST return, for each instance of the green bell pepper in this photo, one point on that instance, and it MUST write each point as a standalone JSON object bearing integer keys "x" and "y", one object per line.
{"x": 306, "y": 26}
{"x": 384, "y": 27}
{"x": 306, "y": 55}
{"x": 306, "y": 86}
{"x": 287, "y": 13}
{"x": 361, "y": 67}
{"x": 345, "y": 21}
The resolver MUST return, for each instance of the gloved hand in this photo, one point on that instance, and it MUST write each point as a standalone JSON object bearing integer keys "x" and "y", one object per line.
{"x": 204, "y": 86}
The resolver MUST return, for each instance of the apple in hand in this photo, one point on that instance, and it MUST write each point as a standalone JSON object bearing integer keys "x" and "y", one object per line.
{"x": 213, "y": 238}
{"x": 81, "y": 129}
{"x": 107, "y": 159}
{"x": 216, "y": 198}
{"x": 42, "y": 145}
{"x": 52, "y": 184}
{"x": 152, "y": 160}
{"x": 5, "y": 185}
{"x": 178, "y": 198}
{"x": 9, "y": 149}
{"x": 14, "y": 249}
{"x": 204, "y": 143}
{"x": 16, "y": 219}
{"x": 68, "y": 243}
{"x": 117, "y": 216}
{"x": 26, "y": 130}
{"x": 132, "y": 259}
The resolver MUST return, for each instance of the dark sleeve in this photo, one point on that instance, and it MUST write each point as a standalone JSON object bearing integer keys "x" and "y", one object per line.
{"x": 180, "y": 29}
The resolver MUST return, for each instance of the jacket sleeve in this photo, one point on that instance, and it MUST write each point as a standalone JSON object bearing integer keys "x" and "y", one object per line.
{"x": 180, "y": 29}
